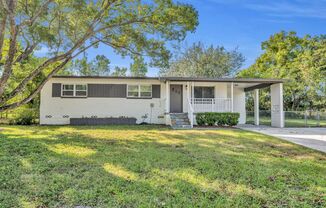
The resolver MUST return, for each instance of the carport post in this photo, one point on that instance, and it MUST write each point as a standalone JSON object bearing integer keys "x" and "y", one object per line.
{"x": 232, "y": 97}
{"x": 256, "y": 106}
{"x": 277, "y": 113}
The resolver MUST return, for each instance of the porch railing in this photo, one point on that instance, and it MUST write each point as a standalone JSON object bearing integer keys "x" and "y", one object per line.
{"x": 211, "y": 105}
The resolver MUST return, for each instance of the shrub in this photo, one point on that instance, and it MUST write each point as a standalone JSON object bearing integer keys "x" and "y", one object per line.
{"x": 24, "y": 117}
{"x": 220, "y": 119}
{"x": 200, "y": 119}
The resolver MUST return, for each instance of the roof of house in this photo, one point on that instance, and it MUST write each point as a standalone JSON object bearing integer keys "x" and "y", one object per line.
{"x": 187, "y": 79}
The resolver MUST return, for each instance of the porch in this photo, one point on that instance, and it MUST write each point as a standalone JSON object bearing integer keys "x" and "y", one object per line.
{"x": 194, "y": 95}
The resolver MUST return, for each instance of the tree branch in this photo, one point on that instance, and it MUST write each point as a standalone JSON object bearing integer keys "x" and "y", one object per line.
{"x": 37, "y": 90}
{"x": 4, "y": 5}
{"x": 37, "y": 15}
{"x": 2, "y": 32}
{"x": 50, "y": 75}
{"x": 12, "y": 46}
{"x": 68, "y": 55}
{"x": 119, "y": 46}
{"x": 141, "y": 20}
{"x": 21, "y": 86}
{"x": 28, "y": 50}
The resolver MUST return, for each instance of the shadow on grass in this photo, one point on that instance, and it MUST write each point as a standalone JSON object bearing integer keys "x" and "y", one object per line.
{"x": 133, "y": 166}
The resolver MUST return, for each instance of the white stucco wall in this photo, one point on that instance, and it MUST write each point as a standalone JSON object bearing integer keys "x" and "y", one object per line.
{"x": 53, "y": 110}
{"x": 57, "y": 108}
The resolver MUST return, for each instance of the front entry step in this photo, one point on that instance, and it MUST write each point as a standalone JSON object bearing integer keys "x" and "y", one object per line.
{"x": 181, "y": 127}
{"x": 180, "y": 121}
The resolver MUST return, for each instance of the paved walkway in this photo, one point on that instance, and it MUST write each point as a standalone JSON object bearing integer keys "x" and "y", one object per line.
{"x": 314, "y": 138}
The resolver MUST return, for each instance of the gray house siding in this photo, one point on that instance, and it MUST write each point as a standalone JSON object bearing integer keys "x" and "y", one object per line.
{"x": 56, "y": 89}
{"x": 106, "y": 90}
{"x": 156, "y": 91}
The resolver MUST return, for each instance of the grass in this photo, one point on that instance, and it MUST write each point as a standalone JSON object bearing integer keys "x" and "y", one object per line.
{"x": 289, "y": 122}
{"x": 150, "y": 166}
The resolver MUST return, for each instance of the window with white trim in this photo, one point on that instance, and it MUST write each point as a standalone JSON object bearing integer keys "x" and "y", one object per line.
{"x": 133, "y": 90}
{"x": 145, "y": 90}
{"x": 139, "y": 91}
{"x": 80, "y": 90}
{"x": 204, "y": 92}
{"x": 74, "y": 90}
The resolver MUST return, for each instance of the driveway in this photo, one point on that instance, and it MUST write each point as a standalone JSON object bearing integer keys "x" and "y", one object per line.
{"x": 314, "y": 138}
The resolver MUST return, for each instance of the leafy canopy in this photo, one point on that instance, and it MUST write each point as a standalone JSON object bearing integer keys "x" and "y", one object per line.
{"x": 97, "y": 67}
{"x": 201, "y": 61}
{"x": 138, "y": 68}
{"x": 66, "y": 28}
{"x": 301, "y": 60}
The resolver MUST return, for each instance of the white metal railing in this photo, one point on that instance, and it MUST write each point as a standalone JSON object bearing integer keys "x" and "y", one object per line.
{"x": 190, "y": 113}
{"x": 211, "y": 105}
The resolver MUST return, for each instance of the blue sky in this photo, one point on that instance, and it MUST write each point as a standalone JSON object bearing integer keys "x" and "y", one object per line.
{"x": 244, "y": 24}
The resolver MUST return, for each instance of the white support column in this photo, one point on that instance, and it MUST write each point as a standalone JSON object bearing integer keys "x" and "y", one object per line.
{"x": 188, "y": 91}
{"x": 167, "y": 97}
{"x": 232, "y": 96}
{"x": 192, "y": 90}
{"x": 256, "y": 106}
{"x": 277, "y": 114}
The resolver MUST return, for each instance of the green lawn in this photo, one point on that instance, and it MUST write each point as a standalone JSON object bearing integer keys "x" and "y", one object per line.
{"x": 289, "y": 122}
{"x": 150, "y": 166}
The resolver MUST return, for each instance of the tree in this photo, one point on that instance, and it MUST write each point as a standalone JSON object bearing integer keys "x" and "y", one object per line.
{"x": 100, "y": 66}
{"x": 97, "y": 67}
{"x": 138, "y": 68}
{"x": 300, "y": 60}
{"x": 120, "y": 71}
{"x": 68, "y": 28}
{"x": 201, "y": 61}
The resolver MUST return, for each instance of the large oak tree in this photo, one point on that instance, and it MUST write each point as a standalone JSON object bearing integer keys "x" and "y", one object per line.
{"x": 66, "y": 28}
{"x": 300, "y": 60}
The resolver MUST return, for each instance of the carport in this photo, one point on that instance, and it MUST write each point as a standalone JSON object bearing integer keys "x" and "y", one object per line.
{"x": 276, "y": 92}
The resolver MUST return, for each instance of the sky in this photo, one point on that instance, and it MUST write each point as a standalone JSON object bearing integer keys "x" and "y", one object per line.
{"x": 244, "y": 24}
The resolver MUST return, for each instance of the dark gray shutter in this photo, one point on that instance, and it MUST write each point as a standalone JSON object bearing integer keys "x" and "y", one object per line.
{"x": 56, "y": 89}
{"x": 107, "y": 90}
{"x": 156, "y": 91}
{"x": 118, "y": 90}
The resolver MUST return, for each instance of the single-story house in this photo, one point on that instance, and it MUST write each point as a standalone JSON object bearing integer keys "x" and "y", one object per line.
{"x": 156, "y": 100}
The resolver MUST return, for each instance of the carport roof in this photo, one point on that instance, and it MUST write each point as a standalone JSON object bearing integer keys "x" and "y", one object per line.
{"x": 187, "y": 79}
{"x": 238, "y": 80}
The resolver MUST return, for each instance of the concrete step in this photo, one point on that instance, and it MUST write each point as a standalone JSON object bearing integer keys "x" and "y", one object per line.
{"x": 181, "y": 127}
{"x": 180, "y": 123}
{"x": 178, "y": 117}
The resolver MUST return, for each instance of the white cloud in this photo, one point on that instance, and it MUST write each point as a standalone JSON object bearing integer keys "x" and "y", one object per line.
{"x": 280, "y": 8}
{"x": 310, "y": 9}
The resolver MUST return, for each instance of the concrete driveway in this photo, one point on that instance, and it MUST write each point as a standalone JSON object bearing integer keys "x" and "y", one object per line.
{"x": 314, "y": 138}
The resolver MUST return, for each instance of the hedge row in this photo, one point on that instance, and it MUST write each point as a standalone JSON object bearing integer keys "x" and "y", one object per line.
{"x": 220, "y": 119}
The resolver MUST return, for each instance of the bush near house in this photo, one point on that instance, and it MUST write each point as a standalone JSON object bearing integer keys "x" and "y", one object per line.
{"x": 24, "y": 116}
{"x": 220, "y": 119}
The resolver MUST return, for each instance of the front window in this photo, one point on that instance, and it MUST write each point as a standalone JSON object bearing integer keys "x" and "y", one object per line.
{"x": 140, "y": 91}
{"x": 81, "y": 91}
{"x": 204, "y": 92}
{"x": 67, "y": 90}
{"x": 145, "y": 90}
{"x": 71, "y": 90}
{"x": 133, "y": 90}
